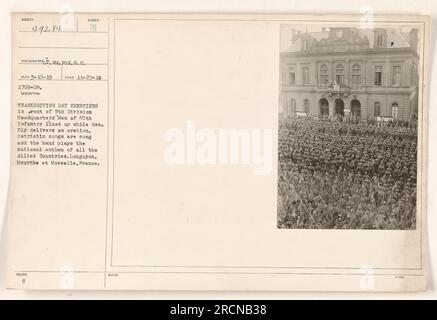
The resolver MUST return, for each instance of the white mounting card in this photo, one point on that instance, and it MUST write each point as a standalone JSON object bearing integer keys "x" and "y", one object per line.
{"x": 218, "y": 152}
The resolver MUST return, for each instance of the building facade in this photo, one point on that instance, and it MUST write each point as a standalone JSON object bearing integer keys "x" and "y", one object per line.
{"x": 342, "y": 72}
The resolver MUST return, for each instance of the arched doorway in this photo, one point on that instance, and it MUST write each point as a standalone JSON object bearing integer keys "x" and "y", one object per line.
{"x": 306, "y": 105}
{"x": 339, "y": 108}
{"x": 356, "y": 108}
{"x": 324, "y": 108}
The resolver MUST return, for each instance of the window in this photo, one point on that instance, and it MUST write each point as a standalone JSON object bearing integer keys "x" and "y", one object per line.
{"x": 291, "y": 76}
{"x": 324, "y": 108}
{"x": 305, "y": 44}
{"x": 292, "y": 106}
{"x": 377, "y": 109}
{"x": 307, "y": 106}
{"x": 305, "y": 75}
{"x": 324, "y": 75}
{"x": 379, "y": 40}
{"x": 339, "y": 74}
{"x": 396, "y": 76}
{"x": 356, "y": 74}
{"x": 394, "y": 110}
{"x": 378, "y": 75}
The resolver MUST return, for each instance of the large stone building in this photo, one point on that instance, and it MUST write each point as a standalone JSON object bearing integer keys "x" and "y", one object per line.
{"x": 341, "y": 72}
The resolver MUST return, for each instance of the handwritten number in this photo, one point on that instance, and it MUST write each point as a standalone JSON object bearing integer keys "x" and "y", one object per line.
{"x": 45, "y": 28}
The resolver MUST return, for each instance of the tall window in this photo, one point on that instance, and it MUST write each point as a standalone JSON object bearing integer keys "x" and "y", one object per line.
{"x": 339, "y": 74}
{"x": 305, "y": 75}
{"x": 323, "y": 75}
{"x": 396, "y": 75}
{"x": 305, "y": 45}
{"x": 394, "y": 110}
{"x": 378, "y": 75}
{"x": 292, "y": 106}
{"x": 291, "y": 76}
{"x": 356, "y": 74}
{"x": 307, "y": 106}
{"x": 377, "y": 109}
{"x": 379, "y": 40}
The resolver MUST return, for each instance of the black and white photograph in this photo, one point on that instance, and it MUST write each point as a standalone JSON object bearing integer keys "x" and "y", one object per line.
{"x": 348, "y": 123}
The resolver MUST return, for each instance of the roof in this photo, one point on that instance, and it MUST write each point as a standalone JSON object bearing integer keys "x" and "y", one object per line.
{"x": 350, "y": 39}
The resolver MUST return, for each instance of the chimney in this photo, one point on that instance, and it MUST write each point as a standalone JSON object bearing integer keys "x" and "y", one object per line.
{"x": 380, "y": 38}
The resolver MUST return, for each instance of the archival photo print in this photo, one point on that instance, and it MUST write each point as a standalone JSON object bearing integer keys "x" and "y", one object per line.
{"x": 347, "y": 149}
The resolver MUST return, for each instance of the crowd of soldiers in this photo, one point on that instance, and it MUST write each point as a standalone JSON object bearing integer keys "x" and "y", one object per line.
{"x": 346, "y": 174}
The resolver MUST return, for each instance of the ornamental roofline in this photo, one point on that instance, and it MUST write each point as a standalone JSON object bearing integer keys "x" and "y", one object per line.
{"x": 369, "y": 51}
